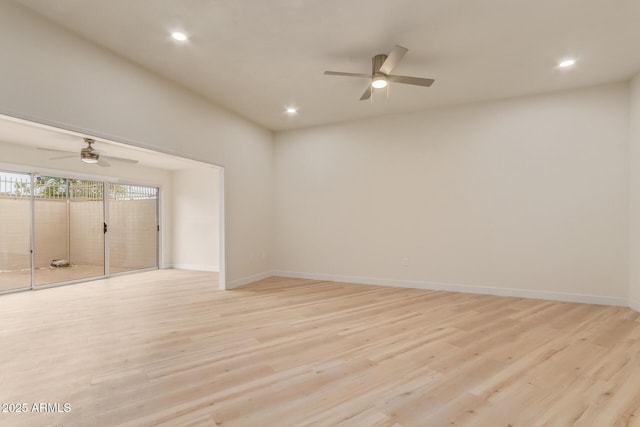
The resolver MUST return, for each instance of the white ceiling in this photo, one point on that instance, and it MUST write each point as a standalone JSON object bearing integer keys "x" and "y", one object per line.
{"x": 256, "y": 57}
{"x": 22, "y": 133}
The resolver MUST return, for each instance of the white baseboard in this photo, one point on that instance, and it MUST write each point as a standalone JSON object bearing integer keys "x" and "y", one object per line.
{"x": 634, "y": 305}
{"x": 196, "y": 267}
{"x": 472, "y": 289}
{"x": 250, "y": 279}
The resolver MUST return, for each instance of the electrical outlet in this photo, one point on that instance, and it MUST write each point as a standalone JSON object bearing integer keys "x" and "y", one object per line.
{"x": 404, "y": 262}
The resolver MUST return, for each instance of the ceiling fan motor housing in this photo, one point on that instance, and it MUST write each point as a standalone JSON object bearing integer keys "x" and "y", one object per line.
{"x": 87, "y": 154}
{"x": 378, "y": 78}
{"x": 376, "y": 63}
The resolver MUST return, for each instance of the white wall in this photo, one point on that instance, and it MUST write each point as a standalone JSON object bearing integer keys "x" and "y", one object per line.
{"x": 524, "y": 196}
{"x": 51, "y": 76}
{"x": 196, "y": 227}
{"x": 19, "y": 158}
{"x": 634, "y": 193}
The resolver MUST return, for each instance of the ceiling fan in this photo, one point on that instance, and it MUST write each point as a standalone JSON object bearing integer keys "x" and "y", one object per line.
{"x": 381, "y": 66}
{"x": 89, "y": 155}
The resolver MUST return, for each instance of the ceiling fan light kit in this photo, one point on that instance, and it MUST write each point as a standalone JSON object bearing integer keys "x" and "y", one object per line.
{"x": 379, "y": 82}
{"x": 91, "y": 158}
{"x": 381, "y": 67}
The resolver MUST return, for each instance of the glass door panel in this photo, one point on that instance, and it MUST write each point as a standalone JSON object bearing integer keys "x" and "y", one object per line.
{"x": 69, "y": 230}
{"x": 133, "y": 228}
{"x": 15, "y": 231}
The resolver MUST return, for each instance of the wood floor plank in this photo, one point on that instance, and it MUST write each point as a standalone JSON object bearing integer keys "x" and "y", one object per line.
{"x": 168, "y": 348}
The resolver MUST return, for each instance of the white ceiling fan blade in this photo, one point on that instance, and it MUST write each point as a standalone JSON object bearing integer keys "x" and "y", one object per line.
{"x": 339, "y": 73}
{"x": 55, "y": 151}
{"x": 103, "y": 163}
{"x": 120, "y": 159}
{"x": 393, "y": 59}
{"x": 417, "y": 81}
{"x": 68, "y": 156}
{"x": 367, "y": 93}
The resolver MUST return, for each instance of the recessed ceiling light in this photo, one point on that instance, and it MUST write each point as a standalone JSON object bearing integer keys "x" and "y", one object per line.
{"x": 291, "y": 110}
{"x": 179, "y": 36}
{"x": 567, "y": 63}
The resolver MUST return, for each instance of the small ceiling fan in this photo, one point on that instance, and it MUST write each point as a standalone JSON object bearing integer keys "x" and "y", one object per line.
{"x": 89, "y": 155}
{"x": 381, "y": 66}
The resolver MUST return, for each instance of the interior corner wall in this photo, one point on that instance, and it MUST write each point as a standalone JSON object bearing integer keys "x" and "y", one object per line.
{"x": 196, "y": 224}
{"x": 51, "y": 76}
{"x": 634, "y": 194}
{"x": 524, "y": 197}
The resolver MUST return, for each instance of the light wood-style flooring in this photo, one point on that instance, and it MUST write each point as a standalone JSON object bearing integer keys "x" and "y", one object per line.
{"x": 13, "y": 280}
{"x": 167, "y": 348}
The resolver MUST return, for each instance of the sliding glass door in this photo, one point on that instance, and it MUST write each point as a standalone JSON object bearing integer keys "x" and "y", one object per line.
{"x": 133, "y": 228}
{"x": 69, "y": 230}
{"x": 15, "y": 231}
{"x": 56, "y": 230}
